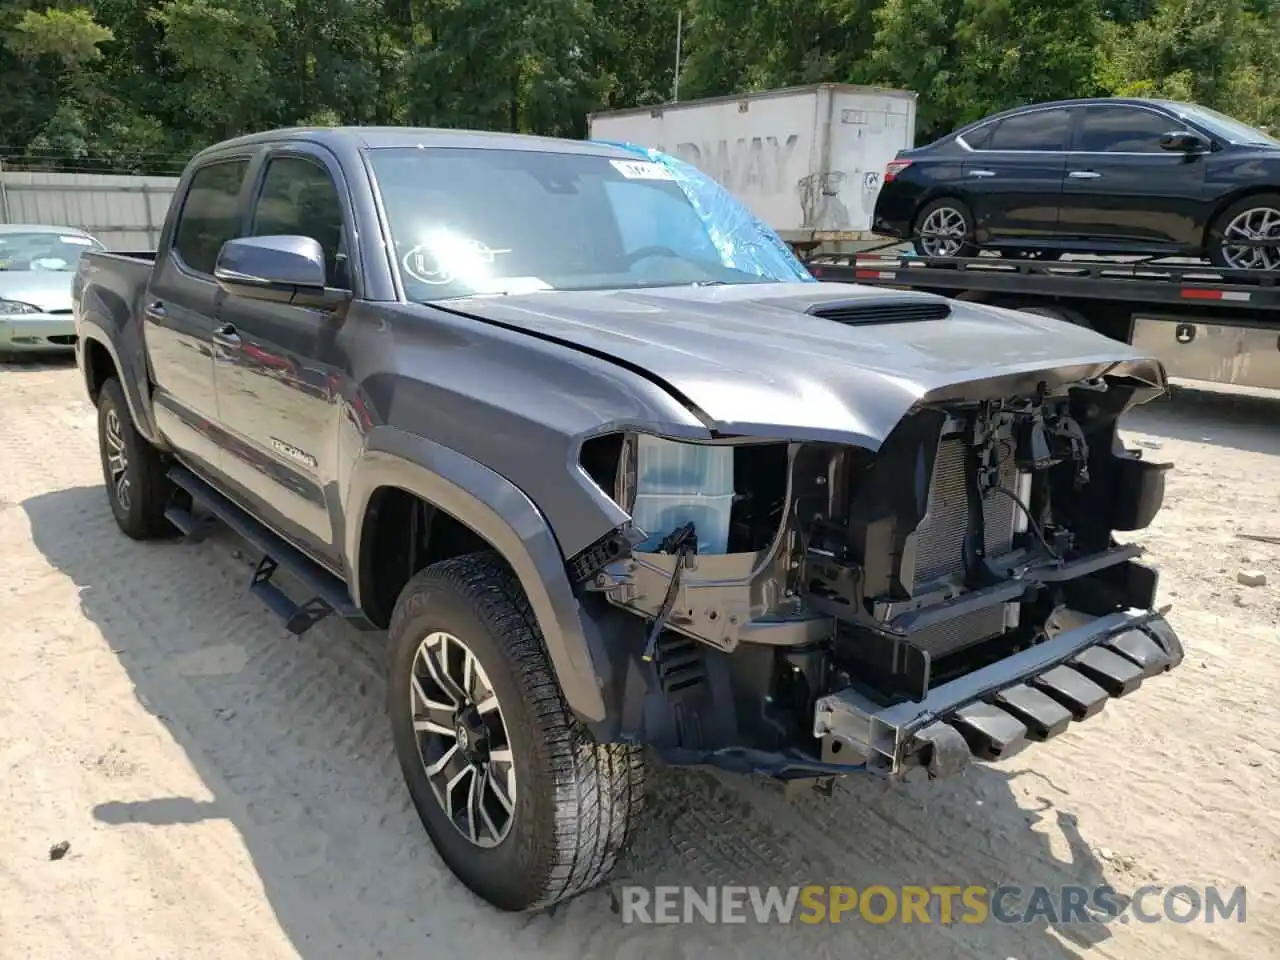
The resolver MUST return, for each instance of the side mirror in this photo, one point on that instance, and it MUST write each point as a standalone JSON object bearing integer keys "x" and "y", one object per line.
{"x": 285, "y": 269}
{"x": 1183, "y": 141}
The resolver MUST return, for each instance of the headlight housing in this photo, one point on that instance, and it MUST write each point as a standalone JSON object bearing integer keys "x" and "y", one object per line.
{"x": 17, "y": 306}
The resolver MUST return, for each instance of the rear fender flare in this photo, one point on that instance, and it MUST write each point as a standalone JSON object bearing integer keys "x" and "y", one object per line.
{"x": 503, "y": 515}
{"x": 132, "y": 376}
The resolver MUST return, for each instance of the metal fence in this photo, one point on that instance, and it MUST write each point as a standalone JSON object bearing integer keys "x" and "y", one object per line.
{"x": 124, "y": 212}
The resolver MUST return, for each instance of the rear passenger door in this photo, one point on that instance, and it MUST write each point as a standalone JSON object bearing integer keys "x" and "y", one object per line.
{"x": 279, "y": 371}
{"x": 180, "y": 308}
{"x": 1014, "y": 176}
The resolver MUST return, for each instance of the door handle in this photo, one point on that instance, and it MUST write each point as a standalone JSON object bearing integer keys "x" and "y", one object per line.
{"x": 155, "y": 311}
{"x": 226, "y": 336}
{"x": 982, "y": 173}
{"x": 1083, "y": 175}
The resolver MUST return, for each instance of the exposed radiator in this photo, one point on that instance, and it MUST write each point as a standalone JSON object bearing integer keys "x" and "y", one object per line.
{"x": 963, "y": 631}
{"x": 936, "y": 549}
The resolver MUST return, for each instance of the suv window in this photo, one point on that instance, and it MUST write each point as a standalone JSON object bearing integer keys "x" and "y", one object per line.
{"x": 1038, "y": 130}
{"x": 1122, "y": 130}
{"x": 298, "y": 197}
{"x": 208, "y": 218}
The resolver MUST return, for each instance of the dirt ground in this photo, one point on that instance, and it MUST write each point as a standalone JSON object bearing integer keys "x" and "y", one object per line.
{"x": 230, "y": 791}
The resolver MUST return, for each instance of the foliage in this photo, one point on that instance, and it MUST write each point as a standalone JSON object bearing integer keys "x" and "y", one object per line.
{"x": 139, "y": 85}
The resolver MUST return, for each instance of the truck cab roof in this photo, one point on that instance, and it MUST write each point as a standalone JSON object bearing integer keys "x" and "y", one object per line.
{"x": 375, "y": 138}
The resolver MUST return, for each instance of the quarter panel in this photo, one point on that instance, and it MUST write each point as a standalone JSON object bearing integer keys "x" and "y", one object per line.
{"x": 108, "y": 295}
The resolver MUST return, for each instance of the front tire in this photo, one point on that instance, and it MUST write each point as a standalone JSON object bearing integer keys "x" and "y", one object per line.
{"x": 546, "y": 810}
{"x": 944, "y": 229}
{"x": 138, "y": 487}
{"x": 1253, "y": 217}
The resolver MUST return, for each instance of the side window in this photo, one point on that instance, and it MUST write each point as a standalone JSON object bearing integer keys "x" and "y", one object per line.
{"x": 208, "y": 218}
{"x": 298, "y": 197}
{"x": 980, "y": 137}
{"x": 1038, "y": 130}
{"x": 1122, "y": 130}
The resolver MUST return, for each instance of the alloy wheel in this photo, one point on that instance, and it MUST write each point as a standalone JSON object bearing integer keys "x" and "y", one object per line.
{"x": 943, "y": 232}
{"x": 462, "y": 739}
{"x": 1240, "y": 239}
{"x": 117, "y": 460}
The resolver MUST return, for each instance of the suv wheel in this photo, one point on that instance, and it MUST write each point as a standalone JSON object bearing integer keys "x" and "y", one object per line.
{"x": 522, "y": 804}
{"x": 1249, "y": 219}
{"x": 138, "y": 488}
{"x": 944, "y": 229}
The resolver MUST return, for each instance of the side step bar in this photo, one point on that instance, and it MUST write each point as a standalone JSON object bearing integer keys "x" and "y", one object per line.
{"x": 328, "y": 593}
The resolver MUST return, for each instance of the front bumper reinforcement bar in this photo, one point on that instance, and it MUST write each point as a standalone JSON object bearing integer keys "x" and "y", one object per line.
{"x": 991, "y": 713}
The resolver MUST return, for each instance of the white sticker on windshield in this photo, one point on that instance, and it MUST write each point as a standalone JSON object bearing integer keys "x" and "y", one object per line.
{"x": 78, "y": 241}
{"x": 642, "y": 170}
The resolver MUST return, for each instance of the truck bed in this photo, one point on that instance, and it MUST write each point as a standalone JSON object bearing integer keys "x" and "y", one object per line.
{"x": 116, "y": 283}
{"x": 122, "y": 274}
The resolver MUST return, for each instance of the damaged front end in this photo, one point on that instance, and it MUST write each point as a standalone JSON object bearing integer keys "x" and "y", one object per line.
{"x": 951, "y": 595}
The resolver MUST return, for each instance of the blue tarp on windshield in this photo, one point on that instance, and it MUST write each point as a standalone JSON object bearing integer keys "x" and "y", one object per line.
{"x": 743, "y": 240}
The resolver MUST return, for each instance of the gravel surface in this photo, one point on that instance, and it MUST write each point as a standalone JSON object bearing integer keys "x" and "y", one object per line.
{"x": 181, "y": 778}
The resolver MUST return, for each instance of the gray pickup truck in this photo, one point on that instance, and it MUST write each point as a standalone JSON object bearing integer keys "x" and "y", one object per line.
{"x": 614, "y": 472}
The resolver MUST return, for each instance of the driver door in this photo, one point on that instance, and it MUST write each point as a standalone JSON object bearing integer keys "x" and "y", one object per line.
{"x": 1122, "y": 187}
{"x": 278, "y": 367}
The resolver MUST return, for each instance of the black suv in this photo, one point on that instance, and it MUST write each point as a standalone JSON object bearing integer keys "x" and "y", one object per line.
{"x": 1100, "y": 176}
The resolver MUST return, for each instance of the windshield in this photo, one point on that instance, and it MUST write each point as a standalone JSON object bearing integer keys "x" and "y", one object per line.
{"x": 43, "y": 250}
{"x": 1220, "y": 125}
{"x": 467, "y": 220}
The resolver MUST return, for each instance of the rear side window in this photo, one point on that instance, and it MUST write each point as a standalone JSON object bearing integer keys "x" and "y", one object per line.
{"x": 208, "y": 218}
{"x": 1123, "y": 130}
{"x": 1038, "y": 130}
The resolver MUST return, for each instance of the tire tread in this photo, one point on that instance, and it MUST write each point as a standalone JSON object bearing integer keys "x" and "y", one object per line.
{"x": 149, "y": 482}
{"x": 597, "y": 788}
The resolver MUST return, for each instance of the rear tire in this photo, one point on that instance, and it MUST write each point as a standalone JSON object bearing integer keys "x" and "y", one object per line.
{"x": 573, "y": 801}
{"x": 134, "y": 471}
{"x": 1259, "y": 213}
{"x": 944, "y": 229}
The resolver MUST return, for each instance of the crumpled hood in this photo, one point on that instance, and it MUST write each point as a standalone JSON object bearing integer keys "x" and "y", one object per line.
{"x": 50, "y": 290}
{"x": 751, "y": 361}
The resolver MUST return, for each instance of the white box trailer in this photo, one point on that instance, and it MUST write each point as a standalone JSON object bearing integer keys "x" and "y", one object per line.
{"x": 806, "y": 160}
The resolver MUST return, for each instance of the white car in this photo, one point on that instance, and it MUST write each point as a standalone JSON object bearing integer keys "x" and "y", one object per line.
{"x": 37, "y": 264}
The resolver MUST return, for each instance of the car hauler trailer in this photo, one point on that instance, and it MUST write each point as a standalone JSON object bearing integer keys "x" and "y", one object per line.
{"x": 806, "y": 160}
{"x": 1219, "y": 326}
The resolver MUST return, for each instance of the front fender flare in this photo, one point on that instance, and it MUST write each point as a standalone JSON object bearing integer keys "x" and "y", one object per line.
{"x": 503, "y": 515}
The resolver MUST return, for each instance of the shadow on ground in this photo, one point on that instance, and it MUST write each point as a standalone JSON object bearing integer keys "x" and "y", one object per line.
{"x": 53, "y": 360}
{"x": 1242, "y": 421}
{"x": 289, "y": 735}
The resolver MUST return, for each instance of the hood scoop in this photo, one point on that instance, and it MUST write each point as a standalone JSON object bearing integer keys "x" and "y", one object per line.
{"x": 882, "y": 311}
